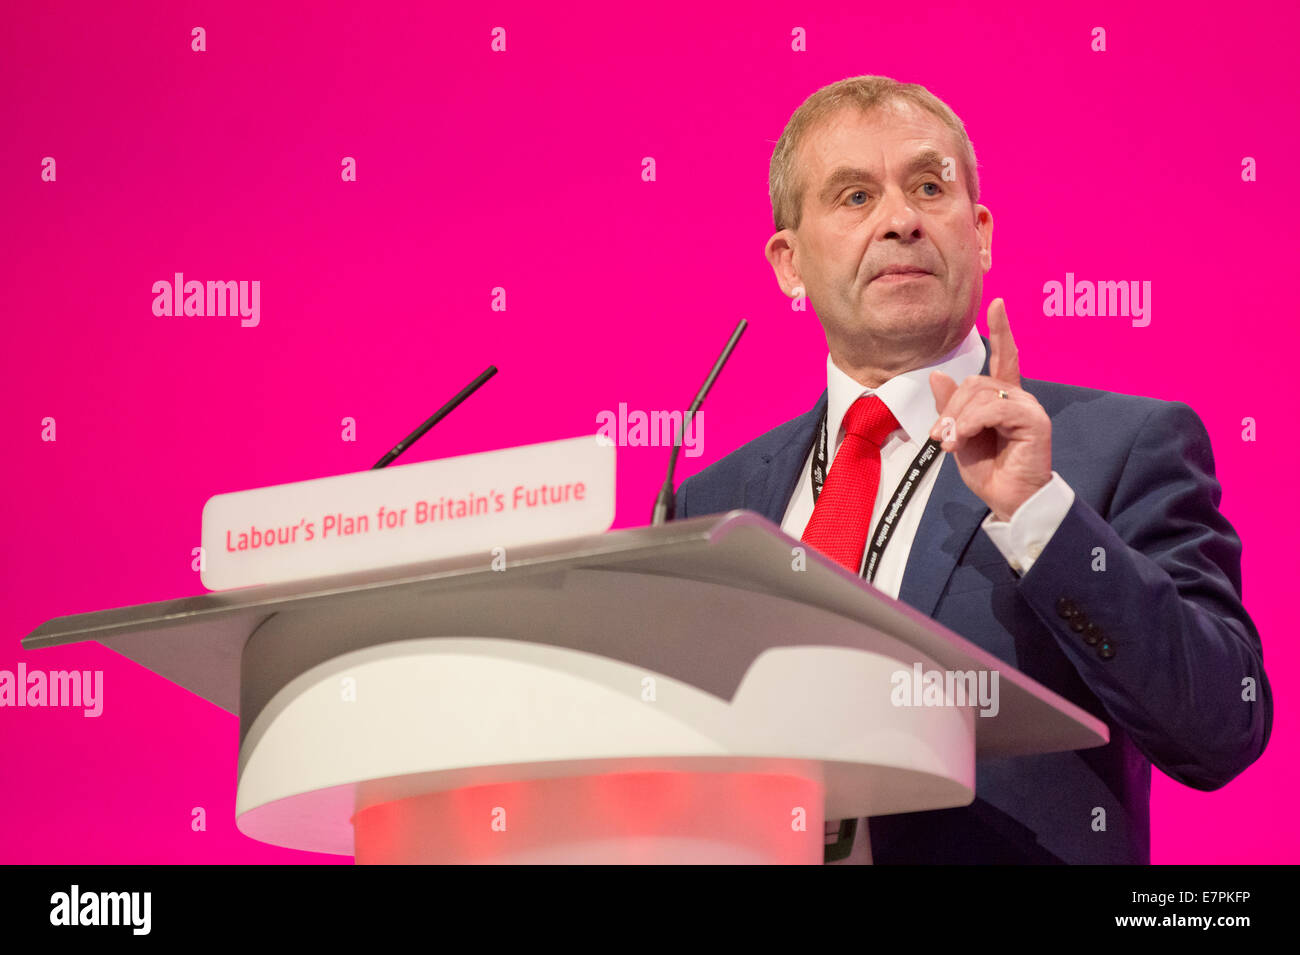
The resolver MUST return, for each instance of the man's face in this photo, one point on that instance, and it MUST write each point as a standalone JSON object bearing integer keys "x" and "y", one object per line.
{"x": 875, "y": 197}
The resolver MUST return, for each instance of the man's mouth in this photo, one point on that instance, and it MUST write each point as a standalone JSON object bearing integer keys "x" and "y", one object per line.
{"x": 900, "y": 274}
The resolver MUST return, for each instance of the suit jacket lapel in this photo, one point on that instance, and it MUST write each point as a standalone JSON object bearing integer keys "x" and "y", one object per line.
{"x": 769, "y": 489}
{"x": 951, "y": 518}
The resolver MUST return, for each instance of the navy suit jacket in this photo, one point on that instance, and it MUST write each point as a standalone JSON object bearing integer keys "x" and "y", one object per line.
{"x": 1168, "y": 603}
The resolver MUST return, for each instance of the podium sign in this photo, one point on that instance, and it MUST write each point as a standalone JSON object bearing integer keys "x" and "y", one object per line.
{"x": 408, "y": 513}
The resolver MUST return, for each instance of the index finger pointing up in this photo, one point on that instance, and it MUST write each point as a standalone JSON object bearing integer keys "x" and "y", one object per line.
{"x": 1004, "y": 362}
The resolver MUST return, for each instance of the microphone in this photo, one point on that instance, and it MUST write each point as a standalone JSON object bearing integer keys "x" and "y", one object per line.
{"x": 438, "y": 415}
{"x": 665, "y": 505}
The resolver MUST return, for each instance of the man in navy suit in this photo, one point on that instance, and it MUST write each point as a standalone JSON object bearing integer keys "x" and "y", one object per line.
{"x": 1073, "y": 533}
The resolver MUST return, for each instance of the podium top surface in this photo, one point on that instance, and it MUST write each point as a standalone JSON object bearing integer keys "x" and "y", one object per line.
{"x": 197, "y": 641}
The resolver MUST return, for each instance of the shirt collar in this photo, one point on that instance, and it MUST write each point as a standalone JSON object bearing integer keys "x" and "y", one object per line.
{"x": 908, "y": 395}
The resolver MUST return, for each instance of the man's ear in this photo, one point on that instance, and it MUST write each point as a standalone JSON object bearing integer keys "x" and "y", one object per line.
{"x": 780, "y": 255}
{"x": 984, "y": 226}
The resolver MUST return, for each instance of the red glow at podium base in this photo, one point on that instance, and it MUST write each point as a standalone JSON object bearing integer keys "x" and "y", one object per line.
{"x": 621, "y": 818}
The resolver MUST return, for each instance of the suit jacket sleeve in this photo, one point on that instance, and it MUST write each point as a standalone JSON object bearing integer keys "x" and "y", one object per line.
{"x": 1187, "y": 677}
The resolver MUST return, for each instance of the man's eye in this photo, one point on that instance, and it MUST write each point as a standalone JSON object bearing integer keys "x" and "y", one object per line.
{"x": 863, "y": 192}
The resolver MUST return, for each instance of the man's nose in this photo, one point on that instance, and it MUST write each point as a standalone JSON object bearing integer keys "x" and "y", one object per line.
{"x": 898, "y": 217}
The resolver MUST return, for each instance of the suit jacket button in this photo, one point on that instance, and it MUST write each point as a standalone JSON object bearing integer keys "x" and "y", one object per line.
{"x": 1106, "y": 650}
{"x": 1079, "y": 623}
{"x": 1066, "y": 608}
{"x": 1092, "y": 634}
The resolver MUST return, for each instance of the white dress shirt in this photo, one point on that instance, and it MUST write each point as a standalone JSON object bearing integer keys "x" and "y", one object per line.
{"x": 909, "y": 398}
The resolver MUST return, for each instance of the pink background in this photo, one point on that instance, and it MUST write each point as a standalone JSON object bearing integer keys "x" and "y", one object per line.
{"x": 522, "y": 170}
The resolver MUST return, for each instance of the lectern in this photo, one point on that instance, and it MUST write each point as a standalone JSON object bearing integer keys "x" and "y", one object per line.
{"x": 702, "y": 691}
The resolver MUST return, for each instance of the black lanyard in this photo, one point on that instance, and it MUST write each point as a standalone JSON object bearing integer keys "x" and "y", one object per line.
{"x": 902, "y": 494}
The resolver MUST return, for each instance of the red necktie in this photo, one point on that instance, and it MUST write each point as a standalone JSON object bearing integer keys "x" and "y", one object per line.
{"x": 841, "y": 519}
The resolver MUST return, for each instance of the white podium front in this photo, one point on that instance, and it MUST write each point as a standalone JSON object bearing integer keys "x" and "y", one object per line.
{"x": 678, "y": 693}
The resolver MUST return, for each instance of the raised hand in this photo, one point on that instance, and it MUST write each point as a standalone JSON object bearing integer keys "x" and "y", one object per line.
{"x": 1002, "y": 445}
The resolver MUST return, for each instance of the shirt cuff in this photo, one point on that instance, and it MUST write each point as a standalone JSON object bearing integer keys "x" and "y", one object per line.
{"x": 1023, "y": 538}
